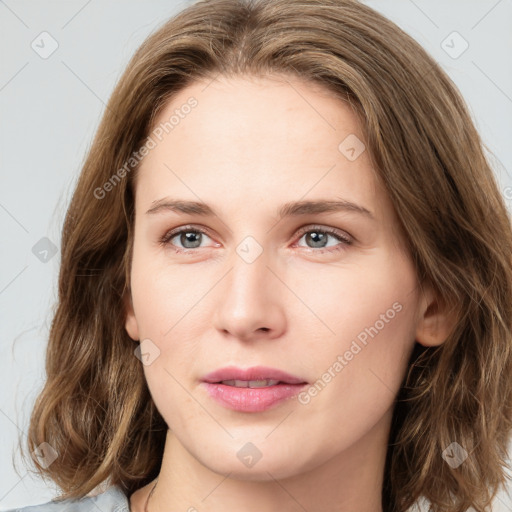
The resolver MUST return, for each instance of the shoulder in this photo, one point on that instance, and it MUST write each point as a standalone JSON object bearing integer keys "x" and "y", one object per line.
{"x": 111, "y": 500}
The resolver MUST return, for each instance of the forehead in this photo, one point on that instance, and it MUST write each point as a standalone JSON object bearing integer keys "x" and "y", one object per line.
{"x": 258, "y": 139}
{"x": 258, "y": 114}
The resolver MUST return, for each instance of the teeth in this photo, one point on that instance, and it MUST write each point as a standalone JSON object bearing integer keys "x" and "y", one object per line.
{"x": 262, "y": 383}
{"x": 250, "y": 383}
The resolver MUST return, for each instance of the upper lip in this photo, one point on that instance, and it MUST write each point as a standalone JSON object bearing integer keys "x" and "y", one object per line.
{"x": 253, "y": 373}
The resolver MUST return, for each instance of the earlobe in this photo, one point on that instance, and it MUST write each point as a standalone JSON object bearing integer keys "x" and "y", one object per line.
{"x": 130, "y": 321}
{"x": 436, "y": 320}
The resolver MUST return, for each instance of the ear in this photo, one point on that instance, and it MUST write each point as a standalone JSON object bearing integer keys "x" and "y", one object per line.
{"x": 130, "y": 321}
{"x": 436, "y": 320}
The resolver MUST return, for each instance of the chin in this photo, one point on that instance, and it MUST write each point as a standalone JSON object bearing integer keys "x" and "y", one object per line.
{"x": 259, "y": 461}
{"x": 261, "y": 472}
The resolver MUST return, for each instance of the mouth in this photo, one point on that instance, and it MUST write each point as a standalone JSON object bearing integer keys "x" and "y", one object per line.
{"x": 253, "y": 384}
{"x": 254, "y": 389}
{"x": 256, "y": 376}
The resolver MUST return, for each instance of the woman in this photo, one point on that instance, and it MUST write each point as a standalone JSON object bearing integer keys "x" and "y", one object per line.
{"x": 285, "y": 280}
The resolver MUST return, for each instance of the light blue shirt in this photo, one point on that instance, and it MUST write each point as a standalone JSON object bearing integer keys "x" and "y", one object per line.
{"x": 112, "y": 499}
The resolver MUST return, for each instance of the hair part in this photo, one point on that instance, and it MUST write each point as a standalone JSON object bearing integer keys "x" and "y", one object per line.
{"x": 95, "y": 408}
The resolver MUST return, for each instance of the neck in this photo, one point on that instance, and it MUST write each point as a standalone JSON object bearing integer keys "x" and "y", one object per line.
{"x": 348, "y": 481}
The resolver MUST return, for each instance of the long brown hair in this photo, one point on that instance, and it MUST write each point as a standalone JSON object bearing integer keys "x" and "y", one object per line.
{"x": 95, "y": 409}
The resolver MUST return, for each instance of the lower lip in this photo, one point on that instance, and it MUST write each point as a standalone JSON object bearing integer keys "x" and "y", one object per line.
{"x": 251, "y": 399}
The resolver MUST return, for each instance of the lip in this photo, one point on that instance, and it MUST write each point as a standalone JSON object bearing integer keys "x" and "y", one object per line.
{"x": 251, "y": 399}
{"x": 253, "y": 373}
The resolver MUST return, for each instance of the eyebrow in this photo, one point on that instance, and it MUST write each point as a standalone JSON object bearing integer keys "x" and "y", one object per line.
{"x": 291, "y": 209}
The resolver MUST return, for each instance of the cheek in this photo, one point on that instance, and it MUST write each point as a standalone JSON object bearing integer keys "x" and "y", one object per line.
{"x": 167, "y": 306}
{"x": 163, "y": 296}
{"x": 368, "y": 315}
{"x": 360, "y": 370}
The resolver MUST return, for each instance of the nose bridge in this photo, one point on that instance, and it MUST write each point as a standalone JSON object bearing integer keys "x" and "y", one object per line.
{"x": 249, "y": 298}
{"x": 248, "y": 285}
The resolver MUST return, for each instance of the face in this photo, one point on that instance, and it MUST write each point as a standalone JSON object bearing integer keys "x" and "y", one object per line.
{"x": 291, "y": 262}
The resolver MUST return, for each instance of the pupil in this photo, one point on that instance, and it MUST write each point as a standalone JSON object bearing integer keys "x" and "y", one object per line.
{"x": 317, "y": 238}
{"x": 192, "y": 237}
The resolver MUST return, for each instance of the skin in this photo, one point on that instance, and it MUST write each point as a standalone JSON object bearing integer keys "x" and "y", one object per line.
{"x": 251, "y": 145}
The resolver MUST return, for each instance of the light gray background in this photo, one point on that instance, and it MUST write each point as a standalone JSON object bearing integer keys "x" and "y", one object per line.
{"x": 50, "y": 109}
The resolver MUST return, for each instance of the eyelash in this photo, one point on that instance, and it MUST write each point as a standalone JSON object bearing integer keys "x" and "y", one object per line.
{"x": 346, "y": 241}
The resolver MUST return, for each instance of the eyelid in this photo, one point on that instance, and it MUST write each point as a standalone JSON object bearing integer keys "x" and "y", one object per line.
{"x": 168, "y": 235}
{"x": 342, "y": 236}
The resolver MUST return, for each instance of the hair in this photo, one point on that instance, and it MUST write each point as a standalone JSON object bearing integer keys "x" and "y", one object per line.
{"x": 95, "y": 408}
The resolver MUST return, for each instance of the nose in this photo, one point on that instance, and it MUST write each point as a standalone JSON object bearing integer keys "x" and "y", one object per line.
{"x": 250, "y": 301}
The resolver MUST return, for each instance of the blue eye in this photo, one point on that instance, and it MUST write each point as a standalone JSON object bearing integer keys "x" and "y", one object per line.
{"x": 190, "y": 238}
{"x": 319, "y": 238}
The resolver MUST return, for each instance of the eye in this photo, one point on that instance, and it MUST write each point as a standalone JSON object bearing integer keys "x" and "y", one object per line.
{"x": 318, "y": 238}
{"x": 189, "y": 238}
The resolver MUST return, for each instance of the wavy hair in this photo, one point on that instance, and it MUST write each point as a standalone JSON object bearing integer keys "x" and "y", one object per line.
{"x": 95, "y": 408}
